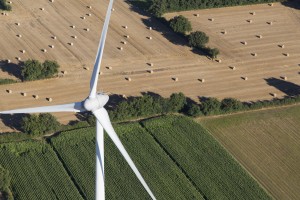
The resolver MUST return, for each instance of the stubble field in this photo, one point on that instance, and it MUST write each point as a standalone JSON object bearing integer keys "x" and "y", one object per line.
{"x": 170, "y": 60}
{"x": 266, "y": 143}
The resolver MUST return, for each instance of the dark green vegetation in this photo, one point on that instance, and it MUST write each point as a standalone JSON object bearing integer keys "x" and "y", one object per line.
{"x": 77, "y": 150}
{"x": 159, "y": 7}
{"x": 35, "y": 70}
{"x": 40, "y": 124}
{"x": 198, "y": 39}
{"x": 176, "y": 156}
{"x": 7, "y": 81}
{"x": 36, "y": 172}
{"x": 180, "y": 24}
{"x": 213, "y": 171}
{"x": 4, "y": 5}
{"x": 5, "y": 184}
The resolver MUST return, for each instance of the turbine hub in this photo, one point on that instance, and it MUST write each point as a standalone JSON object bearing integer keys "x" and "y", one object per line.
{"x": 92, "y": 104}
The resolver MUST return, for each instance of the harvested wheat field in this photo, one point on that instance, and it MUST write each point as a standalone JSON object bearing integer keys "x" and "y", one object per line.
{"x": 267, "y": 144}
{"x": 68, "y": 31}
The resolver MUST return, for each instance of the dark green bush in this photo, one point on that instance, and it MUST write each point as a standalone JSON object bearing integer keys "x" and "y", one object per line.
{"x": 231, "y": 104}
{"x": 34, "y": 69}
{"x": 39, "y": 124}
{"x": 193, "y": 110}
{"x": 4, "y": 5}
{"x": 211, "y": 106}
{"x": 180, "y": 24}
{"x": 198, "y": 39}
{"x": 212, "y": 52}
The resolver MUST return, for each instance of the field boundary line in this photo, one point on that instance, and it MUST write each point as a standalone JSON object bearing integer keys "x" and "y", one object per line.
{"x": 176, "y": 163}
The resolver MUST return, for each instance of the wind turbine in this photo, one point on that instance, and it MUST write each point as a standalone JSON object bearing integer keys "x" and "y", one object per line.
{"x": 95, "y": 103}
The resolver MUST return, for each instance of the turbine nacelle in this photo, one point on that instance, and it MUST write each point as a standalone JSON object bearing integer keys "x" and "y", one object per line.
{"x": 93, "y": 104}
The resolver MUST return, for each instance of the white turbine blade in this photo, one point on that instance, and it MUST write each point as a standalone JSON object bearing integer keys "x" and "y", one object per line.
{"x": 72, "y": 107}
{"x": 103, "y": 118}
{"x": 94, "y": 79}
{"x": 100, "y": 188}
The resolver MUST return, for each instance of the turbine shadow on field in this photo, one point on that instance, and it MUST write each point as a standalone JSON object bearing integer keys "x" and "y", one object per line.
{"x": 292, "y": 3}
{"x": 289, "y": 88}
{"x": 11, "y": 68}
{"x": 13, "y": 121}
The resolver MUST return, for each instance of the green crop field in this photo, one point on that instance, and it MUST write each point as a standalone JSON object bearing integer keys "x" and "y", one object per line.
{"x": 267, "y": 143}
{"x": 77, "y": 151}
{"x": 175, "y": 155}
{"x": 36, "y": 172}
{"x": 208, "y": 165}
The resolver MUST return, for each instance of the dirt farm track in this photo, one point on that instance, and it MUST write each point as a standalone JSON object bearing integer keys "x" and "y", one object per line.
{"x": 75, "y": 49}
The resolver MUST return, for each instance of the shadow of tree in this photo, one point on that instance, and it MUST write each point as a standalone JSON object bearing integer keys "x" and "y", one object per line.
{"x": 13, "y": 121}
{"x": 289, "y": 88}
{"x": 292, "y": 3}
{"x": 11, "y": 68}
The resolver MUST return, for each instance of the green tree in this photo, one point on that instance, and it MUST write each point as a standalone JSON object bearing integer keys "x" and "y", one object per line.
{"x": 211, "y": 106}
{"x": 176, "y": 102}
{"x": 50, "y": 68}
{"x": 231, "y": 104}
{"x": 198, "y": 39}
{"x": 32, "y": 70}
{"x": 4, "y": 5}
{"x": 213, "y": 53}
{"x": 158, "y": 7}
{"x": 39, "y": 124}
{"x": 194, "y": 110}
{"x": 180, "y": 24}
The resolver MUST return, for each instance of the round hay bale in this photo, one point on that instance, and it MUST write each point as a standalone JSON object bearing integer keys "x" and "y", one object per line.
{"x": 124, "y": 42}
{"x": 18, "y": 23}
{"x": 64, "y": 72}
{"x": 121, "y": 48}
{"x": 73, "y": 26}
{"x": 24, "y": 94}
{"x": 284, "y": 78}
{"x": 250, "y": 21}
{"x": 89, "y": 14}
{"x": 282, "y": 46}
{"x": 19, "y": 35}
{"x": 113, "y": 9}
{"x": 83, "y": 17}
{"x": 49, "y": 99}
{"x": 274, "y": 94}
{"x": 245, "y": 78}
{"x": 150, "y": 38}
{"x": 233, "y": 67}
{"x": 202, "y": 80}
{"x": 270, "y": 4}
{"x": 211, "y": 19}
{"x": 44, "y": 50}
{"x": 22, "y": 51}
{"x": 71, "y": 44}
{"x": 126, "y": 27}
{"x": 51, "y": 1}
{"x": 197, "y": 15}
{"x": 90, "y": 7}
{"x": 150, "y": 28}
{"x": 224, "y": 32}
{"x": 286, "y": 54}
{"x": 86, "y": 68}
{"x": 36, "y": 96}
{"x": 74, "y": 36}
{"x": 51, "y": 46}
{"x": 87, "y": 29}
{"x": 9, "y": 91}
{"x": 109, "y": 67}
{"x": 100, "y": 73}
{"x": 219, "y": 61}
{"x": 127, "y": 36}
{"x": 175, "y": 79}
{"x": 260, "y": 36}
{"x": 8, "y": 61}
{"x": 151, "y": 71}
{"x": 253, "y": 13}
{"x": 254, "y": 54}
{"x": 18, "y": 58}
{"x": 54, "y": 37}
{"x": 42, "y": 9}
{"x": 128, "y": 79}
{"x": 9, "y": 2}
{"x": 124, "y": 96}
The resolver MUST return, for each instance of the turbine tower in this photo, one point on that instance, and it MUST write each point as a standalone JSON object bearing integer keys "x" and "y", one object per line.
{"x": 95, "y": 103}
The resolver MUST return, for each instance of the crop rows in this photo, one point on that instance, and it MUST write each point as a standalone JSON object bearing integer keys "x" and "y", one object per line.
{"x": 211, "y": 168}
{"x": 159, "y": 171}
{"x": 36, "y": 172}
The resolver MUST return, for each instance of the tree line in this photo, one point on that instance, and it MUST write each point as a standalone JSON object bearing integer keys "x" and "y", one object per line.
{"x": 159, "y": 7}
